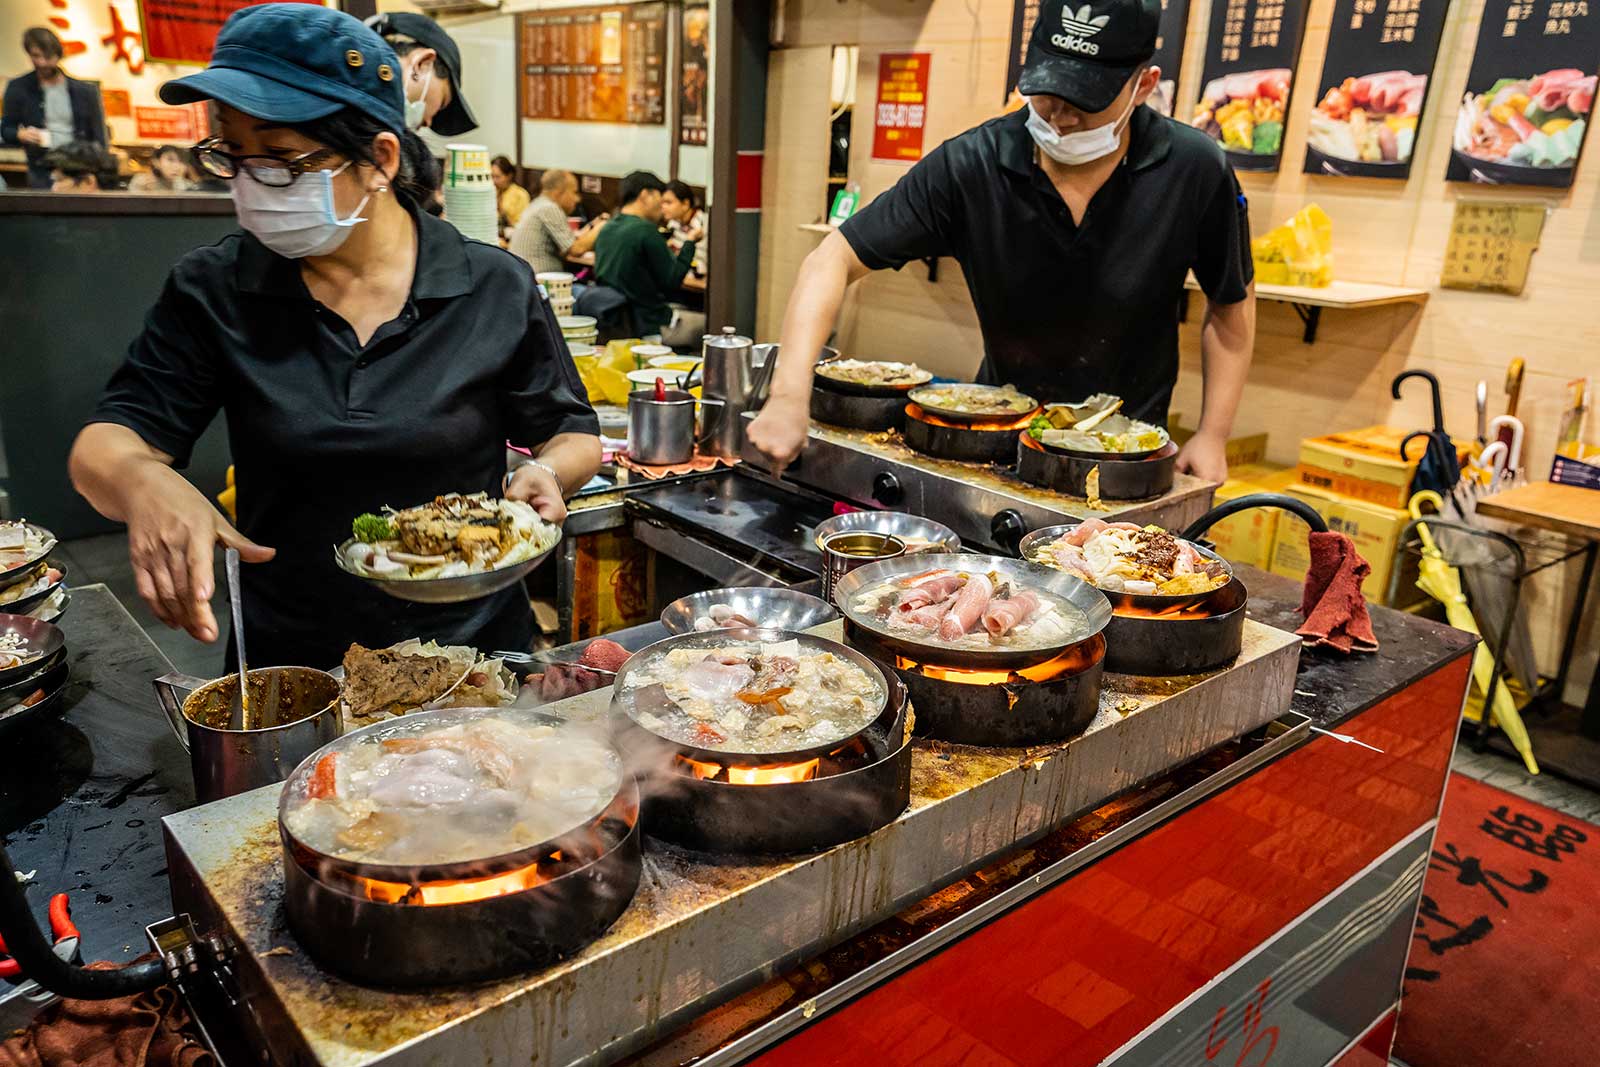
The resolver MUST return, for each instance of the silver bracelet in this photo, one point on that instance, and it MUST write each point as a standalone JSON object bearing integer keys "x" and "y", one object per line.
{"x": 551, "y": 471}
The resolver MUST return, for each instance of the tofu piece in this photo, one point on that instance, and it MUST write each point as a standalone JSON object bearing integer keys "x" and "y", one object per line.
{"x": 479, "y": 542}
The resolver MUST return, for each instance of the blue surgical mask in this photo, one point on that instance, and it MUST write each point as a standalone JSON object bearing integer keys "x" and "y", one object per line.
{"x": 295, "y": 220}
{"x": 1079, "y": 147}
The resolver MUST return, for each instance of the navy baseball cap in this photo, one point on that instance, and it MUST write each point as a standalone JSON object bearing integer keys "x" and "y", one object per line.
{"x": 455, "y": 118}
{"x": 1084, "y": 51}
{"x": 298, "y": 62}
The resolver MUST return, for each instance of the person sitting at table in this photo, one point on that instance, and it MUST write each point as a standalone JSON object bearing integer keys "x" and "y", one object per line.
{"x": 168, "y": 173}
{"x": 362, "y": 352}
{"x": 542, "y": 236}
{"x": 80, "y": 167}
{"x": 632, "y": 257}
{"x": 685, "y": 221}
{"x": 511, "y": 199}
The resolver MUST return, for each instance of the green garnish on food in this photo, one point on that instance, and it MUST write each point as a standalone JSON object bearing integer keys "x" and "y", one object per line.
{"x": 370, "y": 527}
{"x": 1037, "y": 428}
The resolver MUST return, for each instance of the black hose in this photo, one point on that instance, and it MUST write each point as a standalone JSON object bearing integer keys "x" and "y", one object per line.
{"x": 1198, "y": 528}
{"x": 28, "y": 945}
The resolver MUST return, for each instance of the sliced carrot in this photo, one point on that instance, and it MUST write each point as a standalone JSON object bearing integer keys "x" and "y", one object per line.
{"x": 771, "y": 696}
{"x": 323, "y": 783}
{"x": 704, "y": 732}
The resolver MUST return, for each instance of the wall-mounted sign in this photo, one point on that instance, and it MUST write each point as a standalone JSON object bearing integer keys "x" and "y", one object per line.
{"x": 183, "y": 31}
{"x": 902, "y": 106}
{"x": 1491, "y": 245}
{"x": 1251, "y": 51}
{"x": 1529, "y": 94}
{"x": 117, "y": 103}
{"x": 595, "y": 64}
{"x": 694, "y": 74}
{"x": 186, "y": 124}
{"x": 1169, "y": 47}
{"x": 1374, "y": 83}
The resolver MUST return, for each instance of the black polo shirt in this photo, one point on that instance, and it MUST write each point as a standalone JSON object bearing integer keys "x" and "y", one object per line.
{"x": 323, "y": 428}
{"x": 1068, "y": 310}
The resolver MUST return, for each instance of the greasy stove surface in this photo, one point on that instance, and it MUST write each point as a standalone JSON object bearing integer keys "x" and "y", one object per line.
{"x": 704, "y": 927}
{"x": 747, "y": 518}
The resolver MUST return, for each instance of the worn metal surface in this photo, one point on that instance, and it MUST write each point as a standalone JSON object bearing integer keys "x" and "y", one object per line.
{"x": 967, "y": 496}
{"x": 701, "y": 927}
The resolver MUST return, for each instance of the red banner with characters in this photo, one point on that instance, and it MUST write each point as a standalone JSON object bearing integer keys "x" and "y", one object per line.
{"x": 174, "y": 125}
{"x": 902, "y": 106}
{"x": 183, "y": 31}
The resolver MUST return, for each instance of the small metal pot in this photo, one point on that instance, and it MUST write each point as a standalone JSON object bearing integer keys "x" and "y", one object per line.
{"x": 844, "y": 552}
{"x": 299, "y": 710}
{"x": 662, "y": 432}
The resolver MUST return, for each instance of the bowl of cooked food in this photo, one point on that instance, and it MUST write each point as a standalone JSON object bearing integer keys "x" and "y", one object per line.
{"x": 43, "y": 581}
{"x": 871, "y": 377}
{"x": 967, "y": 402}
{"x": 1096, "y": 429}
{"x": 775, "y": 695}
{"x": 919, "y": 534}
{"x": 1136, "y": 566}
{"x": 25, "y": 646}
{"x": 452, "y": 549}
{"x": 970, "y": 611}
{"x": 748, "y": 607}
{"x": 22, "y": 544}
{"x": 414, "y": 675}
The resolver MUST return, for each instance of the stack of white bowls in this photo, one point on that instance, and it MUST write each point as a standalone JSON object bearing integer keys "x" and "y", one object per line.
{"x": 469, "y": 197}
{"x": 581, "y": 329}
{"x": 558, "y": 288}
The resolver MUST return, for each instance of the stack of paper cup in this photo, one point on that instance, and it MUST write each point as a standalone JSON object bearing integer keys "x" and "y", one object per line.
{"x": 558, "y": 288}
{"x": 469, "y": 198}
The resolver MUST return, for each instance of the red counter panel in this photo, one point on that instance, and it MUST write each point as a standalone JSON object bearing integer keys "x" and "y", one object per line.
{"x": 1077, "y": 973}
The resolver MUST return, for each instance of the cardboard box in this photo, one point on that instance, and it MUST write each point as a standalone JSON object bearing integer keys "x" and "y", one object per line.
{"x": 1248, "y": 537}
{"x": 1374, "y": 529}
{"x": 1250, "y": 450}
{"x": 1363, "y": 464}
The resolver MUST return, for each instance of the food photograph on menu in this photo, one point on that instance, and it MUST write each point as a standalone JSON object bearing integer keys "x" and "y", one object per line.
{"x": 1529, "y": 93}
{"x": 1375, "y": 77}
{"x": 1250, "y": 57}
{"x": 1169, "y": 53}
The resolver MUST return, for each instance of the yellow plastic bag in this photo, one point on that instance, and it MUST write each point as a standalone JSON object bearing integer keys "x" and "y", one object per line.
{"x": 1300, "y": 252}
{"x": 605, "y": 374}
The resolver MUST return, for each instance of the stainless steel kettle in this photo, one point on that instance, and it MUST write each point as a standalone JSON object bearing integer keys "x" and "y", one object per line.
{"x": 732, "y": 374}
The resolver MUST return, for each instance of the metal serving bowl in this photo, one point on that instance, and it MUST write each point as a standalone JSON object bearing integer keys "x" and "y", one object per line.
{"x": 911, "y": 529}
{"x": 20, "y": 570}
{"x": 1146, "y": 601}
{"x": 769, "y": 607}
{"x": 28, "y": 603}
{"x": 41, "y": 637}
{"x": 455, "y": 590}
{"x": 925, "y": 397}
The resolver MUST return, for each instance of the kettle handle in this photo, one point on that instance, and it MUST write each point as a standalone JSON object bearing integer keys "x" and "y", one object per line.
{"x": 167, "y": 687}
{"x": 761, "y": 381}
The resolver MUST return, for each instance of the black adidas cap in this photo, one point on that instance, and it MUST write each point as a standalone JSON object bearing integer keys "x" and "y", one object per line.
{"x": 1084, "y": 51}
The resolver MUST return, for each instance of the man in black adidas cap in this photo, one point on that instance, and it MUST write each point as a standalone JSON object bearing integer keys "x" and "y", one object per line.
{"x": 1075, "y": 220}
{"x": 431, "y": 72}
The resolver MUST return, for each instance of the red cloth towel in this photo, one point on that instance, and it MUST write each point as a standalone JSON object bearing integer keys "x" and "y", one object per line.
{"x": 1334, "y": 609}
{"x": 699, "y": 462}
{"x": 147, "y": 1030}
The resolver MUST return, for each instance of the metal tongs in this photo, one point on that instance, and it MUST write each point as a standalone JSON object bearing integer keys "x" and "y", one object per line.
{"x": 536, "y": 659}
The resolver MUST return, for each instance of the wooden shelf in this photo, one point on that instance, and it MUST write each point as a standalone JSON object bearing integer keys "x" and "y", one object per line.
{"x": 1309, "y": 301}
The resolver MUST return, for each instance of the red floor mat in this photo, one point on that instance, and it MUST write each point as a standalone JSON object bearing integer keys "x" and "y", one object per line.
{"x": 1503, "y": 966}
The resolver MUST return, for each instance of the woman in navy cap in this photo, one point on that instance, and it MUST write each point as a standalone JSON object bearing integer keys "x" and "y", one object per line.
{"x": 365, "y": 354}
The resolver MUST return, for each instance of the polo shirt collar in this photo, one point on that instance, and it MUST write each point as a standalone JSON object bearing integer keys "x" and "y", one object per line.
{"x": 442, "y": 267}
{"x": 1149, "y": 143}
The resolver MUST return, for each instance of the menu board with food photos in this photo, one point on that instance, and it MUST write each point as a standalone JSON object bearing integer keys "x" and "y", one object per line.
{"x": 1528, "y": 95}
{"x": 1251, "y": 50}
{"x": 595, "y": 64}
{"x": 1374, "y": 83}
{"x": 1169, "y": 47}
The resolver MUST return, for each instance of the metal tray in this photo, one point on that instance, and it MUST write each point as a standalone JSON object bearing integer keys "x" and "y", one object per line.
{"x": 918, "y": 396}
{"x": 455, "y": 590}
{"x": 1025, "y": 575}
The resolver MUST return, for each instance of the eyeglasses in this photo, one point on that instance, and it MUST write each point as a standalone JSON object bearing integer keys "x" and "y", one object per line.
{"x": 268, "y": 170}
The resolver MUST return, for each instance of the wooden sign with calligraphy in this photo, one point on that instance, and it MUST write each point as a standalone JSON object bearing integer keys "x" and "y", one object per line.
{"x": 1491, "y": 245}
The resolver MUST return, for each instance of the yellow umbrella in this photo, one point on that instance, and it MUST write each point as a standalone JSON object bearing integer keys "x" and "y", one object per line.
{"x": 1443, "y": 582}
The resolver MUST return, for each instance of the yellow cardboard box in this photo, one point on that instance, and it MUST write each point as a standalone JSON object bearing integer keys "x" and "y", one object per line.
{"x": 1374, "y": 529}
{"x": 1248, "y": 537}
{"x": 1363, "y": 464}
{"x": 1250, "y": 450}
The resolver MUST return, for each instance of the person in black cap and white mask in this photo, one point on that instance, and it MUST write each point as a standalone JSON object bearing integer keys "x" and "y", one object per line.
{"x": 363, "y": 354}
{"x": 432, "y": 72}
{"x": 1075, "y": 220}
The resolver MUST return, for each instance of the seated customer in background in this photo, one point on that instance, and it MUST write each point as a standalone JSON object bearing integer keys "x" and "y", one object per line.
{"x": 511, "y": 199}
{"x": 80, "y": 167}
{"x": 632, "y": 256}
{"x": 542, "y": 236}
{"x": 685, "y": 221}
{"x": 168, "y": 173}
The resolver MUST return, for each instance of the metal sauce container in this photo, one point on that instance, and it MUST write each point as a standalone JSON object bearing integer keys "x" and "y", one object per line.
{"x": 844, "y": 552}
{"x": 732, "y": 375}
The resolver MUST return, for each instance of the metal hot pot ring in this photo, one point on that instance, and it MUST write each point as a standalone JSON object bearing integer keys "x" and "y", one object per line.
{"x": 372, "y": 923}
{"x": 861, "y": 784}
{"x": 856, "y": 411}
{"x": 1120, "y": 479}
{"x": 987, "y": 441}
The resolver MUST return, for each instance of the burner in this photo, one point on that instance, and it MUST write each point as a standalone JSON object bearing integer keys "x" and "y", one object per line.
{"x": 1120, "y": 479}
{"x": 1186, "y": 640}
{"x": 974, "y": 442}
{"x": 1047, "y": 702}
{"x": 856, "y": 412}
{"x": 748, "y": 804}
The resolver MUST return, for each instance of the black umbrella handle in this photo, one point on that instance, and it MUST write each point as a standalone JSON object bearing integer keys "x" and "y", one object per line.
{"x": 1198, "y": 528}
{"x": 1433, "y": 384}
{"x": 27, "y": 945}
{"x": 1405, "y": 445}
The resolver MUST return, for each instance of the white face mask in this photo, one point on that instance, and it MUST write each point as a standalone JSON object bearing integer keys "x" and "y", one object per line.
{"x": 415, "y": 109}
{"x": 296, "y": 220}
{"x": 1080, "y": 146}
